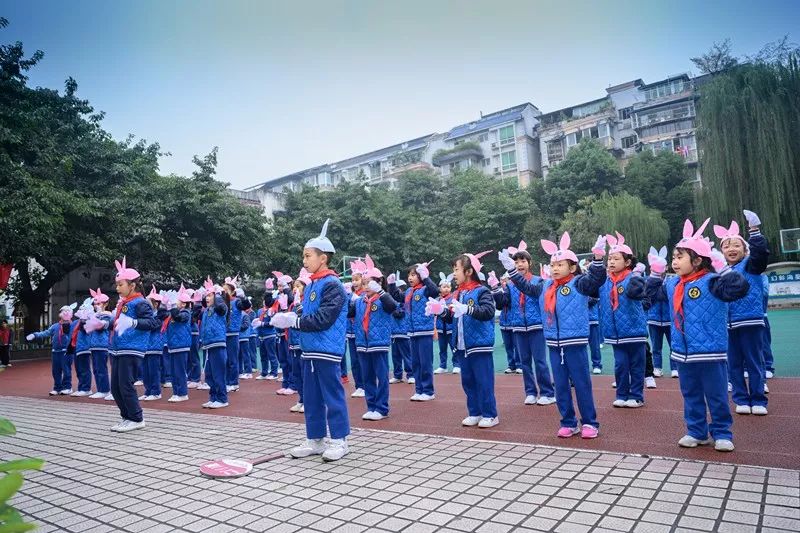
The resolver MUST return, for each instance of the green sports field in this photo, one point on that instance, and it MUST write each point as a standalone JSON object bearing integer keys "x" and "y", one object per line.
{"x": 785, "y": 325}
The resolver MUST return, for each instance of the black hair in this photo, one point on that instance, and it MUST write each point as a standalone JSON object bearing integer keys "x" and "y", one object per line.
{"x": 629, "y": 257}
{"x": 227, "y": 298}
{"x": 705, "y": 262}
{"x": 465, "y": 263}
{"x": 320, "y": 252}
{"x": 578, "y": 270}
{"x": 522, "y": 254}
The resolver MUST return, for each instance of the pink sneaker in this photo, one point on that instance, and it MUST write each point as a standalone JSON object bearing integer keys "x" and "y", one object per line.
{"x": 566, "y": 433}
{"x": 589, "y": 432}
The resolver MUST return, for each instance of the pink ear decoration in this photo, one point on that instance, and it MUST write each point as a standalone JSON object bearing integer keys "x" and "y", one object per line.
{"x": 154, "y": 295}
{"x": 183, "y": 295}
{"x": 702, "y": 227}
{"x": 124, "y": 273}
{"x": 475, "y": 260}
{"x": 611, "y": 240}
{"x": 523, "y": 246}
{"x": 208, "y": 285}
{"x": 304, "y": 276}
{"x": 98, "y": 295}
{"x": 564, "y": 242}
{"x": 618, "y": 244}
{"x": 549, "y": 247}
{"x": 720, "y": 231}
{"x": 688, "y": 229}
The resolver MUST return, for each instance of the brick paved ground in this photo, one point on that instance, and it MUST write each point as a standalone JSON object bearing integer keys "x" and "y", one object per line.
{"x": 147, "y": 480}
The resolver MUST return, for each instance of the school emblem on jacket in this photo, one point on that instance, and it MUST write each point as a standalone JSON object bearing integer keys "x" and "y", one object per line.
{"x": 565, "y": 291}
{"x": 470, "y": 302}
{"x": 620, "y": 289}
{"x": 416, "y": 297}
{"x": 313, "y": 296}
{"x": 124, "y": 308}
{"x": 374, "y": 307}
{"x": 694, "y": 293}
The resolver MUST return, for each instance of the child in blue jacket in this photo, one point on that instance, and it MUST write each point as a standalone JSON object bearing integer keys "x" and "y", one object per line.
{"x": 267, "y": 348}
{"x": 153, "y": 363}
{"x": 60, "y": 335}
{"x": 698, "y": 303}
{"x": 213, "y": 339}
{"x": 401, "y": 344}
{"x": 99, "y": 333}
{"x": 177, "y": 330}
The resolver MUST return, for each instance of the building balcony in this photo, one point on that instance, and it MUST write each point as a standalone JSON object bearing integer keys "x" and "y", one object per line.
{"x": 458, "y": 153}
{"x": 645, "y": 120}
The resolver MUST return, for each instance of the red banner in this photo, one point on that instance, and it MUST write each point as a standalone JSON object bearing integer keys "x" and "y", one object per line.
{"x": 5, "y": 274}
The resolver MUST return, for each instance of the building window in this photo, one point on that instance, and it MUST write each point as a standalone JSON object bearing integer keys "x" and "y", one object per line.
{"x": 625, "y": 113}
{"x": 486, "y": 162}
{"x": 483, "y": 137}
{"x": 555, "y": 151}
{"x": 666, "y": 89}
{"x": 509, "y": 160}
{"x": 574, "y": 138}
{"x": 628, "y": 142}
{"x": 506, "y": 134}
{"x": 603, "y": 130}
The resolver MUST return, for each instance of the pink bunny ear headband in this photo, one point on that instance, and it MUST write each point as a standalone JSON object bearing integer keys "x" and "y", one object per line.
{"x": 183, "y": 295}
{"x": 544, "y": 271}
{"x": 694, "y": 240}
{"x": 560, "y": 252}
{"x": 723, "y": 234}
{"x": 154, "y": 295}
{"x": 124, "y": 273}
{"x": 358, "y": 267}
{"x": 523, "y": 247}
{"x": 474, "y": 260}
{"x": 98, "y": 296}
{"x": 281, "y": 277}
{"x": 371, "y": 271}
{"x": 233, "y": 282}
{"x": 617, "y": 245}
{"x": 304, "y": 276}
{"x": 209, "y": 286}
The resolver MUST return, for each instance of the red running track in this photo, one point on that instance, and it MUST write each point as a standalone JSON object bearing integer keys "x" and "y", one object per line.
{"x": 652, "y": 430}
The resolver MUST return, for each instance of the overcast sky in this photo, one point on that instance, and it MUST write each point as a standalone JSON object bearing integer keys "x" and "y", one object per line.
{"x": 283, "y": 86}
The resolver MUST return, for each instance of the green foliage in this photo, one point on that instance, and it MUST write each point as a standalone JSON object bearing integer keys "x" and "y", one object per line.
{"x": 10, "y": 519}
{"x": 750, "y": 136}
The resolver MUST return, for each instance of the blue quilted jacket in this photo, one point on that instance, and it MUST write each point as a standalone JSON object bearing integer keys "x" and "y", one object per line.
{"x": 379, "y": 336}
{"x": 628, "y": 322}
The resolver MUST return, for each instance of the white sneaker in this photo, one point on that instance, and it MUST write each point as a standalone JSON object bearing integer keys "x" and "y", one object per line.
{"x": 167, "y": 385}
{"x": 743, "y": 410}
{"x": 545, "y": 400}
{"x": 109, "y": 397}
{"x": 142, "y": 397}
{"x": 377, "y": 416}
{"x": 152, "y": 397}
{"x": 519, "y": 371}
{"x": 488, "y": 422}
{"x": 687, "y": 441}
{"x": 203, "y": 386}
{"x": 456, "y": 370}
{"x": 596, "y": 371}
{"x": 205, "y": 405}
{"x": 618, "y": 403}
{"x": 411, "y": 381}
{"x": 633, "y": 404}
{"x": 309, "y": 447}
{"x": 471, "y": 421}
{"x": 723, "y": 445}
{"x": 280, "y": 371}
{"x": 614, "y": 385}
{"x": 270, "y": 377}
{"x": 426, "y": 397}
{"x": 730, "y": 387}
{"x": 138, "y": 382}
{"x": 64, "y": 392}
{"x": 175, "y": 398}
{"x": 53, "y": 392}
{"x": 508, "y": 371}
{"x": 242, "y": 376}
{"x": 296, "y": 408}
{"x": 415, "y": 398}
{"x": 746, "y": 374}
{"x": 358, "y": 393}
{"x": 440, "y": 371}
{"x": 392, "y": 381}
{"x": 260, "y": 377}
{"x": 766, "y": 389}
{"x": 657, "y": 372}
{"x": 191, "y": 385}
{"x": 759, "y": 410}
{"x": 116, "y": 426}
{"x": 650, "y": 382}
{"x": 770, "y": 374}
{"x": 302, "y": 408}
{"x": 530, "y": 400}
{"x": 97, "y": 395}
{"x": 673, "y": 374}
{"x": 80, "y": 393}
{"x": 218, "y": 405}
{"x": 248, "y": 376}
{"x": 336, "y": 449}
{"x": 130, "y": 425}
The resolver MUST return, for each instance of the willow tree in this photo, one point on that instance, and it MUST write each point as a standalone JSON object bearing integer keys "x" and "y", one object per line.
{"x": 749, "y": 132}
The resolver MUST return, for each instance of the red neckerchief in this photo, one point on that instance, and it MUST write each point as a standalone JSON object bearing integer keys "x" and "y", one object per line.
{"x": 166, "y": 323}
{"x": 410, "y": 294}
{"x": 367, "y": 312}
{"x": 122, "y": 303}
{"x": 617, "y": 278}
{"x": 74, "y": 338}
{"x": 319, "y": 274}
{"x": 550, "y": 296}
{"x": 522, "y": 297}
{"x": 677, "y": 298}
{"x": 466, "y": 286}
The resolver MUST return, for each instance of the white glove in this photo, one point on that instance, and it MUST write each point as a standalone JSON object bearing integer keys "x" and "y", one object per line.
{"x": 348, "y": 288}
{"x": 505, "y": 259}
{"x": 423, "y": 271}
{"x": 752, "y": 219}
{"x": 599, "y": 248}
{"x": 718, "y": 261}
{"x": 256, "y": 323}
{"x": 391, "y": 279}
{"x": 93, "y": 324}
{"x": 354, "y": 297}
{"x": 30, "y": 337}
{"x": 239, "y": 292}
{"x": 275, "y": 294}
{"x": 374, "y": 286}
{"x": 284, "y": 320}
{"x": 434, "y": 307}
{"x": 269, "y": 284}
{"x": 458, "y": 308}
{"x": 123, "y": 324}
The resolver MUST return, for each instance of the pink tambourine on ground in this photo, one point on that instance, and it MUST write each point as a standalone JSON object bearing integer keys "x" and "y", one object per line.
{"x": 230, "y": 468}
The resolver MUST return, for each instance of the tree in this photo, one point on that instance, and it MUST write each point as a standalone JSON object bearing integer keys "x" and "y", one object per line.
{"x": 717, "y": 59}
{"x": 748, "y": 127}
{"x": 661, "y": 181}
{"x": 587, "y": 170}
